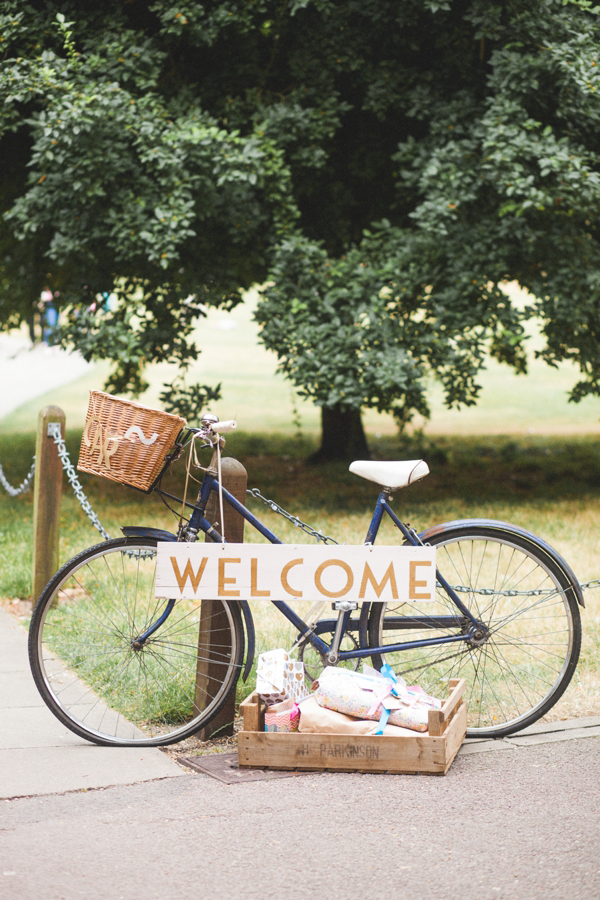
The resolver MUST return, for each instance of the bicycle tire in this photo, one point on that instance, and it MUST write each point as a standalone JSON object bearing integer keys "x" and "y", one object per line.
{"x": 98, "y": 683}
{"x": 528, "y": 603}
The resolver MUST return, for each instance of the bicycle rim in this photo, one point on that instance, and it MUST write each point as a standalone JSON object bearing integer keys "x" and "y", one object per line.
{"x": 92, "y": 676}
{"x": 524, "y": 663}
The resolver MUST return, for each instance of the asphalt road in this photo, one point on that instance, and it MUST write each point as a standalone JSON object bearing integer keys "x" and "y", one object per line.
{"x": 508, "y": 826}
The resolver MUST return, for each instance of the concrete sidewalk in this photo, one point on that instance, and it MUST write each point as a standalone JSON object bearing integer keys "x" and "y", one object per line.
{"x": 38, "y": 755}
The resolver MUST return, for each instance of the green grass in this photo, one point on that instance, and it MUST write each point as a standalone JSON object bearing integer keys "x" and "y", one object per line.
{"x": 523, "y": 455}
{"x": 550, "y": 486}
{"x": 264, "y": 402}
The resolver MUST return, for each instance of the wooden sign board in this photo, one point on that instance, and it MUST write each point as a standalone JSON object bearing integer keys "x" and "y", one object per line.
{"x": 289, "y": 572}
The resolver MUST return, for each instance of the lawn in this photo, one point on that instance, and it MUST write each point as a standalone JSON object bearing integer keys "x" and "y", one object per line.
{"x": 523, "y": 455}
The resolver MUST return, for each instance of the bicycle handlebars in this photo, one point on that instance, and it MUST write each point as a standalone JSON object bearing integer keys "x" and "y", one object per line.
{"x": 224, "y": 427}
{"x": 211, "y": 428}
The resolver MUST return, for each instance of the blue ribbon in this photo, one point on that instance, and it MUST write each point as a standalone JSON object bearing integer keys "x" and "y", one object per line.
{"x": 388, "y": 672}
{"x": 383, "y": 720}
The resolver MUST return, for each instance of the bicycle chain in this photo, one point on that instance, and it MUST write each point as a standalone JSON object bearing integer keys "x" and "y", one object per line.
{"x": 12, "y": 491}
{"x": 54, "y": 431}
{"x": 320, "y": 537}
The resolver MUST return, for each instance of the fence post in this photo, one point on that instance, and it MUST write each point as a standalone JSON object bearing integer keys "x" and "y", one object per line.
{"x": 213, "y": 619}
{"x": 47, "y": 488}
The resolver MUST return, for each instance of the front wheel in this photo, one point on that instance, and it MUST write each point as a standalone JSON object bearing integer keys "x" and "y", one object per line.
{"x": 523, "y": 660}
{"x": 110, "y": 669}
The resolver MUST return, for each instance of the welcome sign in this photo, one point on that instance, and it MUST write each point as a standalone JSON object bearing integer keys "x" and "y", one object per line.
{"x": 290, "y": 572}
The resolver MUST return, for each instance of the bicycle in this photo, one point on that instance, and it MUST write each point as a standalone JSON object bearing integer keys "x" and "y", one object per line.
{"x": 119, "y": 667}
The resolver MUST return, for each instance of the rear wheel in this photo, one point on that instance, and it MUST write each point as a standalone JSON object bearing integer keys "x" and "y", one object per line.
{"x": 524, "y": 658}
{"x": 101, "y": 680}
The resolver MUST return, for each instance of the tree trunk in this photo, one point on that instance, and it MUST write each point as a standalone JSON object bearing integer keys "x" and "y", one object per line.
{"x": 342, "y": 436}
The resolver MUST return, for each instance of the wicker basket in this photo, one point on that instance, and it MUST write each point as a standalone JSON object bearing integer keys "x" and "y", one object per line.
{"x": 126, "y": 442}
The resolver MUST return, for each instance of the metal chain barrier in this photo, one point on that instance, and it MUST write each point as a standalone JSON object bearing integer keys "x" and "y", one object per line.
{"x": 54, "y": 432}
{"x": 14, "y": 492}
{"x": 318, "y": 535}
{"x": 489, "y": 592}
{"x": 591, "y": 584}
{"x": 459, "y": 588}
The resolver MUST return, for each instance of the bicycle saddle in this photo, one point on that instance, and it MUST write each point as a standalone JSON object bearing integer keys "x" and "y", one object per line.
{"x": 392, "y": 475}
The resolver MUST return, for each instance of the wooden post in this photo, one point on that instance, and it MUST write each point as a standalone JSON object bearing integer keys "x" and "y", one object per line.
{"x": 214, "y": 626}
{"x": 47, "y": 489}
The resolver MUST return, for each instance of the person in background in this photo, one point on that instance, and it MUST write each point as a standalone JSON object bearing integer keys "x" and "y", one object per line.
{"x": 49, "y": 315}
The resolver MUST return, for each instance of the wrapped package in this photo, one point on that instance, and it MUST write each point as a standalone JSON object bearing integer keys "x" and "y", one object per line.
{"x": 283, "y": 716}
{"x": 371, "y": 695}
{"x": 279, "y": 678}
{"x": 315, "y": 718}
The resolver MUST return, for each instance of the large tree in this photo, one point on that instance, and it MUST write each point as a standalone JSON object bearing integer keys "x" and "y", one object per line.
{"x": 384, "y": 167}
{"x": 119, "y": 177}
{"x": 483, "y": 168}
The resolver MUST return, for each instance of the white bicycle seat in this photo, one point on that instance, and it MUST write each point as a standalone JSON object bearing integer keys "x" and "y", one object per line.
{"x": 392, "y": 475}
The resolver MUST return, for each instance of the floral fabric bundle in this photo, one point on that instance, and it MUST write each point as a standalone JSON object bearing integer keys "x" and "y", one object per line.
{"x": 376, "y": 696}
{"x": 319, "y": 719}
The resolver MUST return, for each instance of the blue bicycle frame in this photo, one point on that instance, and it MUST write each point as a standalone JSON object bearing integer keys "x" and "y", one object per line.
{"x": 466, "y": 621}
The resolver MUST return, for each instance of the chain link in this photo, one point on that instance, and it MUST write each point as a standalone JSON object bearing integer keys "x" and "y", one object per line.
{"x": 14, "y": 492}
{"x": 591, "y": 584}
{"x": 318, "y": 535}
{"x": 490, "y": 592}
{"x": 459, "y": 588}
{"x": 54, "y": 431}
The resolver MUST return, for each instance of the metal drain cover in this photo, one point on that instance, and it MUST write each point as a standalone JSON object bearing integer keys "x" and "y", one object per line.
{"x": 224, "y": 767}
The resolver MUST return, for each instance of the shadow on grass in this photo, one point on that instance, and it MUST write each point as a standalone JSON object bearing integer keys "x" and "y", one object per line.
{"x": 462, "y": 468}
{"x": 473, "y": 468}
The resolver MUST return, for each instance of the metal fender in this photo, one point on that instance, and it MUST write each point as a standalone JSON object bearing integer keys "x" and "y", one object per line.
{"x": 156, "y": 533}
{"x": 250, "y": 637}
{"x": 160, "y": 535}
{"x": 491, "y": 524}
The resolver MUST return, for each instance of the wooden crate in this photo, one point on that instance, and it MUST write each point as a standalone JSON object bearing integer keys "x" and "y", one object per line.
{"x": 430, "y": 753}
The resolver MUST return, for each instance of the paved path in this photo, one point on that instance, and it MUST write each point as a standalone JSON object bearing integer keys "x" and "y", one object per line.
{"x": 33, "y": 370}
{"x": 519, "y": 825}
{"x": 38, "y": 755}
{"x": 514, "y": 820}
